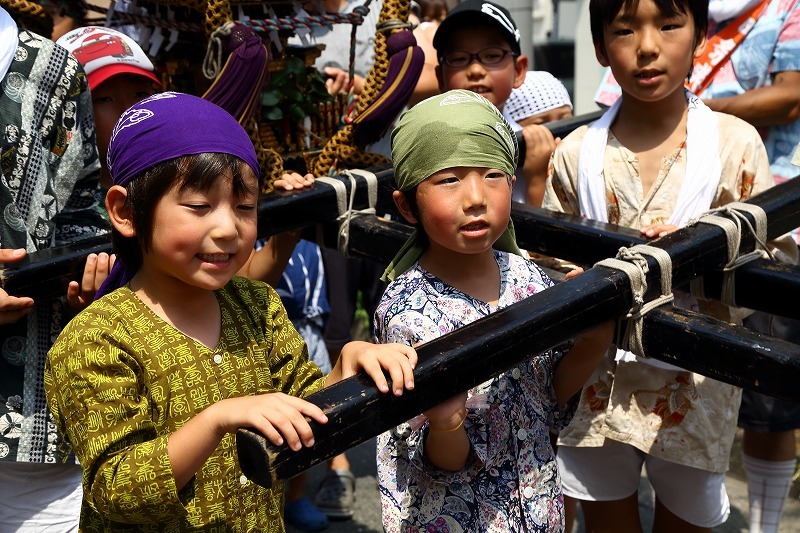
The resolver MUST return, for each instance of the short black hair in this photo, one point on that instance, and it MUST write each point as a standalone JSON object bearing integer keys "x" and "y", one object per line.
{"x": 195, "y": 172}
{"x": 603, "y": 12}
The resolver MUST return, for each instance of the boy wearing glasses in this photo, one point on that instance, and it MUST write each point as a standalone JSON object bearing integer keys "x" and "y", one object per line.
{"x": 478, "y": 46}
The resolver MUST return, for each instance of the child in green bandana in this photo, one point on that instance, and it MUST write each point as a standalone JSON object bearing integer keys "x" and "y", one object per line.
{"x": 481, "y": 461}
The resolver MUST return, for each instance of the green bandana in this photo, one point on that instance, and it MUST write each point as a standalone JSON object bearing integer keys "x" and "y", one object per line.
{"x": 455, "y": 129}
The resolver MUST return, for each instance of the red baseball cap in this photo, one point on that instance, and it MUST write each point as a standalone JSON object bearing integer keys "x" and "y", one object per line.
{"x": 104, "y": 53}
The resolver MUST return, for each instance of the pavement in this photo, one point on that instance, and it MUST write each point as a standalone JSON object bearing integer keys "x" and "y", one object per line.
{"x": 367, "y": 518}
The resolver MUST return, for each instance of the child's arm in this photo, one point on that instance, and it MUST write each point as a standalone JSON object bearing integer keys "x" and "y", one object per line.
{"x": 278, "y": 416}
{"x": 268, "y": 263}
{"x": 447, "y": 446}
{"x": 576, "y": 366}
{"x": 539, "y": 146}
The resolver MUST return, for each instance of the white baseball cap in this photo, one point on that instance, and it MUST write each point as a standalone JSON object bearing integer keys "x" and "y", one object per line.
{"x": 104, "y": 52}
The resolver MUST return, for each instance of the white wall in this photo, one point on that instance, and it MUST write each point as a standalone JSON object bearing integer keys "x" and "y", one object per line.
{"x": 588, "y": 71}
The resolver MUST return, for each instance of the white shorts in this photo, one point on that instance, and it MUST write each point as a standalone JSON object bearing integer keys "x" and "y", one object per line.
{"x": 40, "y": 497}
{"x": 612, "y": 472}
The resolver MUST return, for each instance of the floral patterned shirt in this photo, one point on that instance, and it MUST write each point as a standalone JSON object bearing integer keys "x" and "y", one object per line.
{"x": 510, "y": 482}
{"x": 120, "y": 380}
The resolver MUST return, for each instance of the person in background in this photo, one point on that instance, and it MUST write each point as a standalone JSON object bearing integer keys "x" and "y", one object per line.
{"x": 479, "y": 50}
{"x": 50, "y": 196}
{"x": 759, "y": 81}
{"x": 119, "y": 75}
{"x": 67, "y": 15}
{"x": 346, "y": 277}
{"x": 427, "y": 14}
{"x": 541, "y": 98}
{"x": 303, "y": 291}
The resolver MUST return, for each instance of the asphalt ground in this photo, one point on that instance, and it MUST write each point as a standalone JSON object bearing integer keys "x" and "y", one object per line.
{"x": 367, "y": 518}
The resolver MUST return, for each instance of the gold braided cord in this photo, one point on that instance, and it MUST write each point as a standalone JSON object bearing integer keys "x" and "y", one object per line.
{"x": 341, "y": 151}
{"x": 31, "y": 15}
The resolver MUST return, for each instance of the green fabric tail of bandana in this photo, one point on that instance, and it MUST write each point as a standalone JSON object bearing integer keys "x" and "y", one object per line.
{"x": 455, "y": 129}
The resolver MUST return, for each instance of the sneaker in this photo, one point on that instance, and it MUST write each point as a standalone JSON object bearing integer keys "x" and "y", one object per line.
{"x": 337, "y": 494}
{"x": 304, "y": 516}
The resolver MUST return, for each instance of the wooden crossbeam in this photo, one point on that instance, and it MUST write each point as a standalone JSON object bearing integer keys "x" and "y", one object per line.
{"x": 548, "y": 232}
{"x": 489, "y": 346}
{"x": 733, "y": 354}
{"x": 756, "y": 283}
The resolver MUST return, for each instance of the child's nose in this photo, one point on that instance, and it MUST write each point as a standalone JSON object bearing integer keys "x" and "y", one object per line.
{"x": 648, "y": 43}
{"x": 474, "y": 194}
{"x": 475, "y": 68}
{"x": 225, "y": 225}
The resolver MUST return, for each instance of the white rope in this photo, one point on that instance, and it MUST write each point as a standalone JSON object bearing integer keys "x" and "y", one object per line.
{"x": 345, "y": 203}
{"x": 633, "y": 263}
{"x": 212, "y": 63}
{"x": 733, "y": 234}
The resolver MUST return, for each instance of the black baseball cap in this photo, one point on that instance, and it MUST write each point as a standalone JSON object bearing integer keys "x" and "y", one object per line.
{"x": 487, "y": 12}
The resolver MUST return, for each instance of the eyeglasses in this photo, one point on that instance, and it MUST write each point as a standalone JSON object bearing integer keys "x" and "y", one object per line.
{"x": 486, "y": 57}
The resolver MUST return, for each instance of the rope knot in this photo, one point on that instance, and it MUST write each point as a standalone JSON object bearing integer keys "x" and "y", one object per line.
{"x": 345, "y": 203}
{"x": 732, "y": 226}
{"x": 633, "y": 263}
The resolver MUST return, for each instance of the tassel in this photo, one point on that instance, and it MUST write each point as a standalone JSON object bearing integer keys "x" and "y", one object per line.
{"x": 405, "y": 65}
{"x": 238, "y": 87}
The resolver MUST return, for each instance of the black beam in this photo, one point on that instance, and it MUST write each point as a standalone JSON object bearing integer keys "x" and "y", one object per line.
{"x": 46, "y": 273}
{"x": 733, "y": 354}
{"x": 487, "y": 347}
{"x": 756, "y": 283}
{"x": 559, "y": 128}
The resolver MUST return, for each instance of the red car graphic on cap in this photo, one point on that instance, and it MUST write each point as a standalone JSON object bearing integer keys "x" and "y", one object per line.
{"x": 102, "y": 46}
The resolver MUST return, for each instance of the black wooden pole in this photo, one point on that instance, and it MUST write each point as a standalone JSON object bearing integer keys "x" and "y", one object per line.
{"x": 715, "y": 349}
{"x": 756, "y": 283}
{"x": 487, "y": 347}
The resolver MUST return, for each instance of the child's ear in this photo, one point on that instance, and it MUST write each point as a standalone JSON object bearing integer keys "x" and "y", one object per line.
{"x": 520, "y": 70}
{"x": 700, "y": 47}
{"x": 119, "y": 213}
{"x": 402, "y": 206}
{"x": 440, "y": 78}
{"x": 600, "y": 54}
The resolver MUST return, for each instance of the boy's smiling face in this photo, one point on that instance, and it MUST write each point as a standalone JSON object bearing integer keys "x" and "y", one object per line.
{"x": 494, "y": 82}
{"x": 200, "y": 239}
{"x": 649, "y": 53}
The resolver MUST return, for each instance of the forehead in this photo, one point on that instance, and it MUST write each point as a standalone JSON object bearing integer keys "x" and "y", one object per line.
{"x": 633, "y": 9}
{"x": 475, "y": 39}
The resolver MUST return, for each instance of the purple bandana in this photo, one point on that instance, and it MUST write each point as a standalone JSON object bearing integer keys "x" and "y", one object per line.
{"x": 162, "y": 127}
{"x": 169, "y": 125}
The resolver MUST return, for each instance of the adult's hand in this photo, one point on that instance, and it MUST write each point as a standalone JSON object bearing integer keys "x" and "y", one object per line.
{"x": 12, "y": 308}
{"x": 338, "y": 81}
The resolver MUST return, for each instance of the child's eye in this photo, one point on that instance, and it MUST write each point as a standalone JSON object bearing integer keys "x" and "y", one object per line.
{"x": 197, "y": 207}
{"x": 446, "y": 180}
{"x": 623, "y": 31}
{"x": 246, "y": 207}
{"x": 496, "y": 175}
